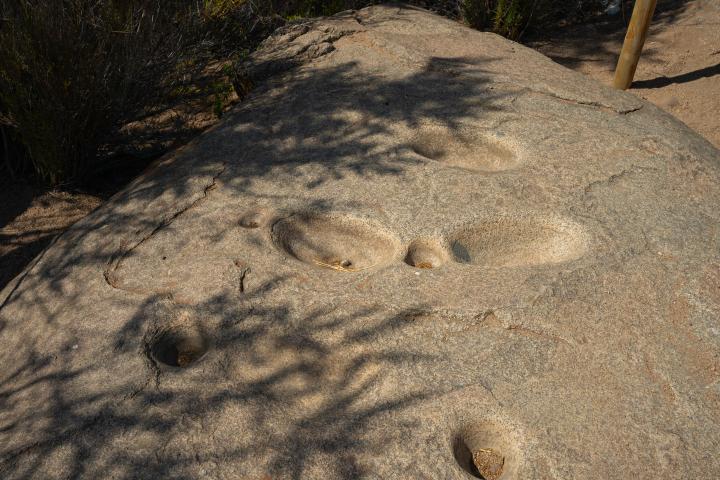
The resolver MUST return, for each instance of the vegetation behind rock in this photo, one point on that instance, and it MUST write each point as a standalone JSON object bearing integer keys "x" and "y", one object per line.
{"x": 73, "y": 72}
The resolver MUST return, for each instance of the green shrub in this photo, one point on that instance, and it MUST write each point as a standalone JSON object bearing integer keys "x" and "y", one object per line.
{"x": 313, "y": 8}
{"x": 73, "y": 70}
{"x": 505, "y": 17}
{"x": 476, "y": 13}
{"x": 511, "y": 18}
{"x": 220, "y": 8}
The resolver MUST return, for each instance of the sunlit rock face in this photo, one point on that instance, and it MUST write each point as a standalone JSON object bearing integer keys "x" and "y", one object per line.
{"x": 414, "y": 251}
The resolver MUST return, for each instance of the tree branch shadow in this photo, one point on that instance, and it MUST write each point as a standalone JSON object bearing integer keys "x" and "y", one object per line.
{"x": 119, "y": 413}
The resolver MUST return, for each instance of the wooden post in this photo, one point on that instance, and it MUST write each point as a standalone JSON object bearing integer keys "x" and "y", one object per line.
{"x": 633, "y": 45}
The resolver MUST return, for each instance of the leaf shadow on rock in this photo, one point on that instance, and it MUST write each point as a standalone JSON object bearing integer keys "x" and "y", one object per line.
{"x": 319, "y": 370}
{"x": 80, "y": 395}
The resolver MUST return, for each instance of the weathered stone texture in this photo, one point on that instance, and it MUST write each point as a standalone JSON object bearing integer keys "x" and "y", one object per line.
{"x": 414, "y": 251}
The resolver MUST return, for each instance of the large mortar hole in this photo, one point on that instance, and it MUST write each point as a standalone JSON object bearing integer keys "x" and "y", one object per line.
{"x": 181, "y": 346}
{"x": 335, "y": 242}
{"x": 470, "y": 151}
{"x": 511, "y": 242}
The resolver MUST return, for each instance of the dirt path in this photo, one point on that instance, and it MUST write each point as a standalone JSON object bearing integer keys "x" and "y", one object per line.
{"x": 30, "y": 218}
{"x": 679, "y": 71}
{"x": 680, "y": 67}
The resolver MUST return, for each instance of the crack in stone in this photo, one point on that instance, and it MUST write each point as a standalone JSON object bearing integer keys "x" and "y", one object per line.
{"x": 244, "y": 271}
{"x": 576, "y": 101}
{"x": 590, "y": 103}
{"x": 116, "y": 261}
{"x": 615, "y": 177}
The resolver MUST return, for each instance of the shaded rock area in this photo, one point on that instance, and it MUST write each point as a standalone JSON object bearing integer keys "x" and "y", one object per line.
{"x": 404, "y": 255}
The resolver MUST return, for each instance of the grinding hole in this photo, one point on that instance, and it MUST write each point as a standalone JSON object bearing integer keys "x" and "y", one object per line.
{"x": 340, "y": 243}
{"x": 179, "y": 346}
{"x": 425, "y": 254}
{"x": 487, "y": 450}
{"x": 253, "y": 219}
{"x": 511, "y": 242}
{"x": 471, "y": 151}
{"x": 464, "y": 457}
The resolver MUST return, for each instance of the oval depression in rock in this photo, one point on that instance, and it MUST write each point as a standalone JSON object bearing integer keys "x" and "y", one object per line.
{"x": 336, "y": 242}
{"x": 463, "y": 150}
{"x": 524, "y": 241}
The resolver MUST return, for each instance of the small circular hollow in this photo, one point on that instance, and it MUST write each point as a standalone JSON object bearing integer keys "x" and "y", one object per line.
{"x": 180, "y": 346}
{"x": 335, "y": 242}
{"x": 253, "y": 219}
{"x": 464, "y": 457}
{"x": 425, "y": 254}
{"x": 486, "y": 450}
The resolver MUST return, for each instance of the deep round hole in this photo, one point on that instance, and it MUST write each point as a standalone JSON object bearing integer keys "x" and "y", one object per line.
{"x": 425, "y": 254}
{"x": 179, "y": 347}
{"x": 463, "y": 456}
{"x": 485, "y": 463}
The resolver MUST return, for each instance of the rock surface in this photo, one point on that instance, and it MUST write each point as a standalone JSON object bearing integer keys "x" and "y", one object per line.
{"x": 412, "y": 250}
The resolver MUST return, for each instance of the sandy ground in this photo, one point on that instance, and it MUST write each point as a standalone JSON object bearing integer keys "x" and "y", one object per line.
{"x": 679, "y": 71}
{"x": 30, "y": 219}
{"x": 680, "y": 67}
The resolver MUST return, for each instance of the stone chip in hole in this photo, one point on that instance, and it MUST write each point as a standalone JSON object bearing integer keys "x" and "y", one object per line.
{"x": 489, "y": 463}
